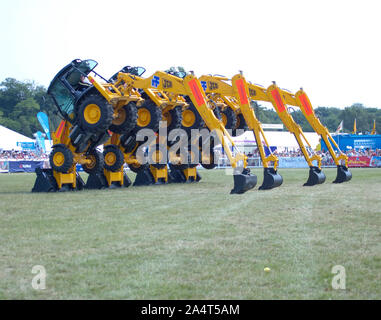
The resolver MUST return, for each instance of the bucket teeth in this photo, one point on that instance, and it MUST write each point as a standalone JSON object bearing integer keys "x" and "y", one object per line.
{"x": 316, "y": 176}
{"x": 243, "y": 182}
{"x": 343, "y": 174}
{"x": 271, "y": 179}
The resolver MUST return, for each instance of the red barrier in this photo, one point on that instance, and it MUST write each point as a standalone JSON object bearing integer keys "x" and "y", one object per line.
{"x": 360, "y": 162}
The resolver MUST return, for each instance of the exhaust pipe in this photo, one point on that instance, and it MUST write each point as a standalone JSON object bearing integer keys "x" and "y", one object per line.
{"x": 243, "y": 181}
{"x": 316, "y": 176}
{"x": 343, "y": 174}
{"x": 271, "y": 179}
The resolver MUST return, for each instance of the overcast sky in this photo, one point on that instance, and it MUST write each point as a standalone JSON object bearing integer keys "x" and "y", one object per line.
{"x": 330, "y": 48}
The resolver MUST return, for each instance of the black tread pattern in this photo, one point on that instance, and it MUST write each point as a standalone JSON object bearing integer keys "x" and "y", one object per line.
{"x": 99, "y": 162}
{"x": 241, "y": 125}
{"x": 199, "y": 122}
{"x": 130, "y": 122}
{"x": 231, "y": 118}
{"x": 156, "y": 116}
{"x": 68, "y": 158}
{"x": 106, "y": 114}
{"x": 118, "y": 155}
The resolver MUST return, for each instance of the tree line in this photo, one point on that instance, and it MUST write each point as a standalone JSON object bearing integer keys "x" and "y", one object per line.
{"x": 20, "y": 101}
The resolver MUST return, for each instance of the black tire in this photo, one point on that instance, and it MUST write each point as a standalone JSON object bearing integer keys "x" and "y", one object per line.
{"x": 113, "y": 158}
{"x": 97, "y": 162}
{"x": 128, "y": 142}
{"x": 149, "y": 117}
{"x": 229, "y": 118}
{"x": 95, "y": 114}
{"x": 241, "y": 126}
{"x": 137, "y": 169}
{"x": 152, "y": 152}
{"x": 175, "y": 118}
{"x": 126, "y": 120}
{"x": 217, "y": 113}
{"x": 61, "y": 159}
{"x": 191, "y": 119}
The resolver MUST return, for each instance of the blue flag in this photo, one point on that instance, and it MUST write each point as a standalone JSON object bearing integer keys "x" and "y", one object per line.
{"x": 44, "y": 121}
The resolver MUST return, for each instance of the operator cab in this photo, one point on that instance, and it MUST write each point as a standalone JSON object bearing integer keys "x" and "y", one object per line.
{"x": 177, "y": 72}
{"x": 67, "y": 87}
{"x": 136, "y": 71}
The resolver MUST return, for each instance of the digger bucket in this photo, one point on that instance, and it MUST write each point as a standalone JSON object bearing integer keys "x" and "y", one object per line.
{"x": 343, "y": 174}
{"x": 45, "y": 181}
{"x": 244, "y": 181}
{"x": 271, "y": 179}
{"x": 316, "y": 176}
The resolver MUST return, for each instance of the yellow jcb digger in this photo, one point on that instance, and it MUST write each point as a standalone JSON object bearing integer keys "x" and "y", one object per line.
{"x": 190, "y": 88}
{"x": 89, "y": 109}
{"x": 233, "y": 100}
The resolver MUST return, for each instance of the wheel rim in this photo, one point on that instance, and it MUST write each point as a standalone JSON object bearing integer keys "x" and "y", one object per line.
{"x": 110, "y": 158}
{"x": 58, "y": 159}
{"x": 189, "y": 118}
{"x": 144, "y": 117}
{"x": 121, "y": 117}
{"x": 224, "y": 119}
{"x": 92, "y": 163}
{"x": 92, "y": 113}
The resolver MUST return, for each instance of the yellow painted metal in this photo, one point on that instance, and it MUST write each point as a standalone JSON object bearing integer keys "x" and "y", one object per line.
{"x": 144, "y": 117}
{"x": 120, "y": 117}
{"x": 63, "y": 178}
{"x": 159, "y": 173}
{"x": 114, "y": 177}
{"x": 190, "y": 173}
{"x": 175, "y": 87}
{"x": 301, "y": 100}
{"x": 110, "y": 158}
{"x": 92, "y": 113}
{"x": 58, "y": 159}
{"x": 188, "y": 118}
{"x": 237, "y": 98}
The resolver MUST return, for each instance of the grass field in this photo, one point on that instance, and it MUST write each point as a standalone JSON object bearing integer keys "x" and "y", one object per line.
{"x": 193, "y": 241}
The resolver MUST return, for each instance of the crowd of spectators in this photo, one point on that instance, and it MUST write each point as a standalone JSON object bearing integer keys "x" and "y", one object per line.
{"x": 6, "y": 155}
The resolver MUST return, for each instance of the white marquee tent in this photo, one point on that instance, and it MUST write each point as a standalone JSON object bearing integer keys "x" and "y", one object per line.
{"x": 9, "y": 139}
{"x": 279, "y": 139}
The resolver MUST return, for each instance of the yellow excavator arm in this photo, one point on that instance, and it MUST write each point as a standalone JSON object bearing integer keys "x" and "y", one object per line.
{"x": 273, "y": 95}
{"x": 235, "y": 96}
{"x": 301, "y": 100}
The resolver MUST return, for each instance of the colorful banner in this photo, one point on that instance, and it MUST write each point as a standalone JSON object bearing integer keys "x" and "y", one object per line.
{"x": 375, "y": 162}
{"x": 27, "y": 146}
{"x": 4, "y": 166}
{"x": 44, "y": 121}
{"x": 25, "y": 166}
{"x": 292, "y": 162}
{"x": 360, "y": 162}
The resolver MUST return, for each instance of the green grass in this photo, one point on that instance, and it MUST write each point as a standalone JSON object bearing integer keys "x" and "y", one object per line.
{"x": 193, "y": 241}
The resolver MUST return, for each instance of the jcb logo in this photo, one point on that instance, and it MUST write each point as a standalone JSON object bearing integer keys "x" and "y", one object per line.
{"x": 167, "y": 84}
{"x": 252, "y": 92}
{"x": 213, "y": 85}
